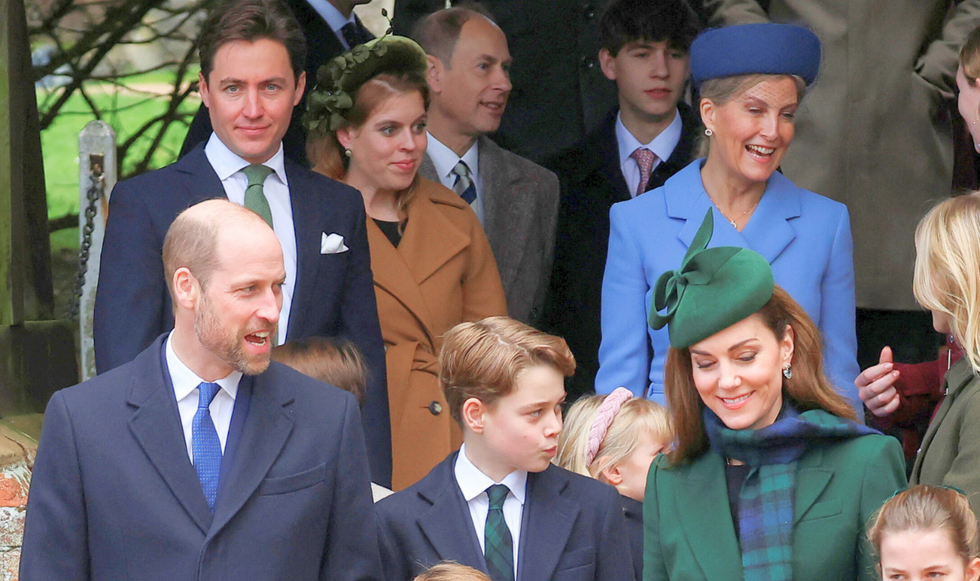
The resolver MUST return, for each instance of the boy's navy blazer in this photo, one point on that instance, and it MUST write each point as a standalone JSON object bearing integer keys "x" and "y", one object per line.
{"x": 334, "y": 294}
{"x": 115, "y": 496}
{"x": 572, "y": 528}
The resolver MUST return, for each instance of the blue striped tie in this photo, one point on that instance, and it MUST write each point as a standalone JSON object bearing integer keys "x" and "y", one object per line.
{"x": 205, "y": 444}
{"x": 499, "y": 546}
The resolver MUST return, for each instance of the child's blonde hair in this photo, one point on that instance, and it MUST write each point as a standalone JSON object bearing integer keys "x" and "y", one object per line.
{"x": 634, "y": 416}
{"x": 452, "y": 571}
{"x": 929, "y": 508}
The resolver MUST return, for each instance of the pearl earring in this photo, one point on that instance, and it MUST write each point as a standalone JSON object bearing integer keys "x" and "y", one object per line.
{"x": 709, "y": 132}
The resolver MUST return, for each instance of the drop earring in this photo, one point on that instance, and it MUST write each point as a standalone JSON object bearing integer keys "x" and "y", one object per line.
{"x": 788, "y": 371}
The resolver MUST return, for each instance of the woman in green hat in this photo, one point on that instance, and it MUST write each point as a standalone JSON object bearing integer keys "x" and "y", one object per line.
{"x": 771, "y": 478}
{"x": 433, "y": 267}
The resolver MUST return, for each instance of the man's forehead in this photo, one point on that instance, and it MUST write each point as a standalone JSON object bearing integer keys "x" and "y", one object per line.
{"x": 242, "y": 59}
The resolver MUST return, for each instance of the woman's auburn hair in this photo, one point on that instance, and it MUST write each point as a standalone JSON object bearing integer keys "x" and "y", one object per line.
{"x": 809, "y": 388}
{"x": 324, "y": 150}
{"x": 947, "y": 268}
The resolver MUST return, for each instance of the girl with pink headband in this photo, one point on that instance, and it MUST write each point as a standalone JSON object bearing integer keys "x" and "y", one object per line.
{"x": 614, "y": 438}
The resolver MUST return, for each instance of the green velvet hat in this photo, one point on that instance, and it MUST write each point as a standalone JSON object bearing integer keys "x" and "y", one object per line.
{"x": 712, "y": 290}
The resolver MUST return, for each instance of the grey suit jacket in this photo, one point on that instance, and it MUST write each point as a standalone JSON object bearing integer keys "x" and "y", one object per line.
{"x": 520, "y": 206}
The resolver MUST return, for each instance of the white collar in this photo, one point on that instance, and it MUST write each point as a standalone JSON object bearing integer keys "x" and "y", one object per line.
{"x": 185, "y": 381}
{"x": 327, "y": 11}
{"x": 662, "y": 145}
{"x": 227, "y": 163}
{"x": 473, "y": 482}
{"x": 445, "y": 159}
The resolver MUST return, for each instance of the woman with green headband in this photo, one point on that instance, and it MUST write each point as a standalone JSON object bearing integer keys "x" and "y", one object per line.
{"x": 433, "y": 267}
{"x": 771, "y": 478}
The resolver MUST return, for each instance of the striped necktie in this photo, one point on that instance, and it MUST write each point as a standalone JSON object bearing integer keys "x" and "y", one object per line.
{"x": 464, "y": 184}
{"x": 499, "y": 545}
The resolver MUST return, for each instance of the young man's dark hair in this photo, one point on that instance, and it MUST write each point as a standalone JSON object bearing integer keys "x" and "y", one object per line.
{"x": 626, "y": 21}
{"x": 250, "y": 20}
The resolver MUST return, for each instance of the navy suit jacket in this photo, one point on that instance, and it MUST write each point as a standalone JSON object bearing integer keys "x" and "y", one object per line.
{"x": 591, "y": 182}
{"x": 572, "y": 528}
{"x": 115, "y": 496}
{"x": 334, "y": 294}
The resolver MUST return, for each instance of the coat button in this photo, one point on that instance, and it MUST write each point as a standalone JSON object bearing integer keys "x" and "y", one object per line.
{"x": 435, "y": 408}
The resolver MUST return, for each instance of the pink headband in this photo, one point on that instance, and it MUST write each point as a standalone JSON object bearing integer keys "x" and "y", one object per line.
{"x": 603, "y": 419}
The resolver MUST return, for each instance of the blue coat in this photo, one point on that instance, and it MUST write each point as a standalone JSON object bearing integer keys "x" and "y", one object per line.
{"x": 572, "y": 528}
{"x": 334, "y": 293}
{"x": 115, "y": 496}
{"x": 805, "y": 237}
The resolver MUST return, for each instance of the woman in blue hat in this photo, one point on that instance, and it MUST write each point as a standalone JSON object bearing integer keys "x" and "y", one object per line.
{"x": 751, "y": 79}
{"x": 770, "y": 478}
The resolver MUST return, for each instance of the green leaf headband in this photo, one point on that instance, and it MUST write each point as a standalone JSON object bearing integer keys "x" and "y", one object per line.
{"x": 711, "y": 291}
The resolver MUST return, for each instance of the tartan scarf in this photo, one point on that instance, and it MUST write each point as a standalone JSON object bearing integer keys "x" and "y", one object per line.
{"x": 765, "y": 513}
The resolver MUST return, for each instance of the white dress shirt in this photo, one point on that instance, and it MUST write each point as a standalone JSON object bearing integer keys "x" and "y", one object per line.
{"x": 334, "y": 19}
{"x": 473, "y": 483}
{"x": 185, "y": 384}
{"x": 229, "y": 167}
{"x": 662, "y": 146}
{"x": 445, "y": 159}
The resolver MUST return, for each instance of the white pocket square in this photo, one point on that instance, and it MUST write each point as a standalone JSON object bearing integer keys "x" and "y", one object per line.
{"x": 332, "y": 244}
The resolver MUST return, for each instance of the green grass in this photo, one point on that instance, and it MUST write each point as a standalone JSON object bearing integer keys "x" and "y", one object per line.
{"x": 125, "y": 112}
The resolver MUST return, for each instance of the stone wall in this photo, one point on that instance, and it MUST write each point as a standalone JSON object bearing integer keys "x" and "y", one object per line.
{"x": 17, "y": 452}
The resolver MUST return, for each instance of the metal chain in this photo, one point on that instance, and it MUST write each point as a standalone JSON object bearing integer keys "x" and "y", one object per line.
{"x": 93, "y": 195}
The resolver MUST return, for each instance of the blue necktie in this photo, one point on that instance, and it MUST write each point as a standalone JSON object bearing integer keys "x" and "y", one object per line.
{"x": 205, "y": 444}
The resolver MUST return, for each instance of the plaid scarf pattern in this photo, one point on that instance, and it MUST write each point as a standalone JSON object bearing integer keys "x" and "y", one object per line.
{"x": 765, "y": 514}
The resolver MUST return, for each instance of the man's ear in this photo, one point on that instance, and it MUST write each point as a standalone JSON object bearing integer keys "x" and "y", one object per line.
{"x": 612, "y": 474}
{"x": 434, "y": 73}
{"x": 187, "y": 291}
{"x": 473, "y": 413}
{"x": 300, "y": 87}
{"x": 202, "y": 88}
{"x": 607, "y": 63}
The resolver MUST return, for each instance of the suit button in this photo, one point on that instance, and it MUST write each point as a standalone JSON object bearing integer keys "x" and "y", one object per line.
{"x": 435, "y": 408}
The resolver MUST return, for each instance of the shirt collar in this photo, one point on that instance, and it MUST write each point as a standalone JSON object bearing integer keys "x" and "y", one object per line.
{"x": 185, "y": 381}
{"x": 473, "y": 482}
{"x": 227, "y": 163}
{"x": 445, "y": 159}
{"x": 335, "y": 20}
{"x": 662, "y": 145}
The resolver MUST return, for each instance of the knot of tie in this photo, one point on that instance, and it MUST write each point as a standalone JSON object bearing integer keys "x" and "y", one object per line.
{"x": 498, "y": 494}
{"x": 645, "y": 159}
{"x": 255, "y": 199}
{"x": 206, "y": 394}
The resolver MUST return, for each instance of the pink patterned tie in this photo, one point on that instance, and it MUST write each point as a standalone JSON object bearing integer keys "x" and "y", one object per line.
{"x": 645, "y": 159}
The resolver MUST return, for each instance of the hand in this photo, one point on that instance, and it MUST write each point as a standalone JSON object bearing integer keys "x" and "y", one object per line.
{"x": 876, "y": 385}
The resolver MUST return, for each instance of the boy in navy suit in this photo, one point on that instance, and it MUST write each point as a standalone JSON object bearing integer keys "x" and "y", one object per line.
{"x": 498, "y": 504}
{"x": 650, "y": 137}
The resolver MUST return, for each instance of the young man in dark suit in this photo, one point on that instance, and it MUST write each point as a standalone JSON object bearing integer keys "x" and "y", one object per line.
{"x": 252, "y": 57}
{"x": 515, "y": 199}
{"x": 498, "y": 504}
{"x": 648, "y": 139}
{"x": 200, "y": 459}
{"x": 331, "y": 28}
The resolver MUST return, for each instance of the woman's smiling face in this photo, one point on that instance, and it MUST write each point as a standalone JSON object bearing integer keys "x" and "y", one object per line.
{"x": 738, "y": 373}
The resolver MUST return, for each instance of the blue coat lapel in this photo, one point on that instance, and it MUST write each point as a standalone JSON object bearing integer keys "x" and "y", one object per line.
{"x": 451, "y": 536}
{"x": 199, "y": 179}
{"x": 546, "y": 524}
{"x": 263, "y": 435}
{"x": 156, "y": 426}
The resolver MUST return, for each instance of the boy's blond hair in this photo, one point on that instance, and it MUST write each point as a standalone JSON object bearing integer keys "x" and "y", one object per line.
{"x": 452, "y": 571}
{"x": 483, "y": 360}
{"x": 634, "y": 417}
{"x": 330, "y": 360}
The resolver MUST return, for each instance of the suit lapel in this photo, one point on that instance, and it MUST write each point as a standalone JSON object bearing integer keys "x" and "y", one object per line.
{"x": 451, "y": 537}
{"x": 507, "y": 206}
{"x": 546, "y": 524}
{"x": 156, "y": 426}
{"x": 703, "y": 505}
{"x": 811, "y": 480}
{"x": 494, "y": 175}
{"x": 611, "y": 172}
{"x": 307, "y": 217}
{"x": 956, "y": 378}
{"x": 264, "y": 433}
{"x": 199, "y": 179}
{"x": 426, "y": 224}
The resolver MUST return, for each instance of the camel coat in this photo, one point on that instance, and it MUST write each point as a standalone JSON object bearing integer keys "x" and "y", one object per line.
{"x": 442, "y": 274}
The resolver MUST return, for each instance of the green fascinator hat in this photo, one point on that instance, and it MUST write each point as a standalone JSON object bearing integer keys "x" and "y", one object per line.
{"x": 329, "y": 102}
{"x": 712, "y": 290}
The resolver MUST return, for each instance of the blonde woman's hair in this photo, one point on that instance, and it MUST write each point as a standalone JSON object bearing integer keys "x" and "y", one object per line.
{"x": 452, "y": 571}
{"x": 485, "y": 358}
{"x": 808, "y": 389}
{"x": 947, "y": 268}
{"x": 634, "y": 417}
{"x": 928, "y": 508}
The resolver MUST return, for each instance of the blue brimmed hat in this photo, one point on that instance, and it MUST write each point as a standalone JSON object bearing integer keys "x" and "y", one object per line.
{"x": 746, "y": 49}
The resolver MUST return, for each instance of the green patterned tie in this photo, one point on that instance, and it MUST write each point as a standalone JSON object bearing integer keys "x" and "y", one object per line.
{"x": 255, "y": 194}
{"x": 499, "y": 549}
